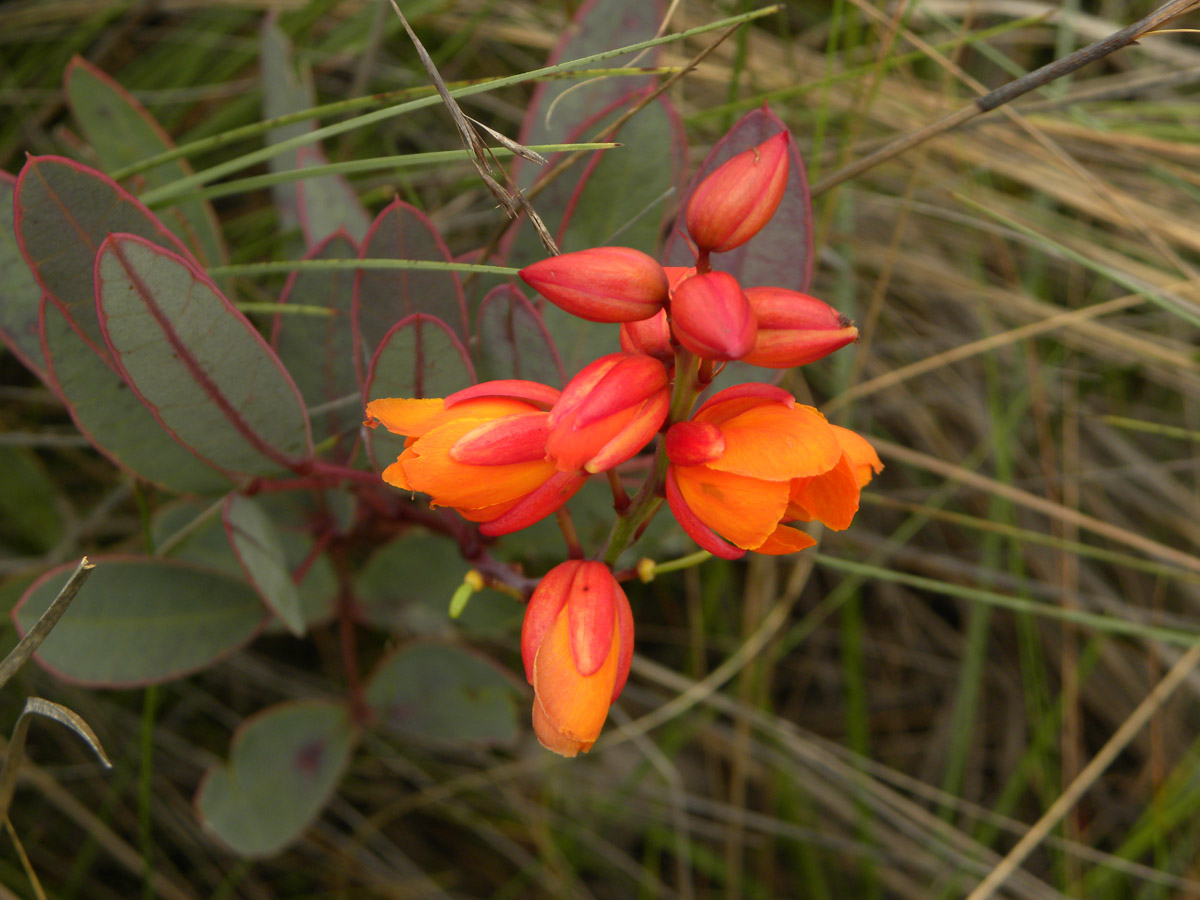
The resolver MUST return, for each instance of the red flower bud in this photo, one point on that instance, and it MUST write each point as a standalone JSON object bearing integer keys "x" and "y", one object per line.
{"x": 732, "y": 204}
{"x": 603, "y": 284}
{"x": 794, "y": 329}
{"x": 711, "y": 316}
{"x": 608, "y": 412}
{"x": 577, "y": 646}
{"x": 650, "y": 337}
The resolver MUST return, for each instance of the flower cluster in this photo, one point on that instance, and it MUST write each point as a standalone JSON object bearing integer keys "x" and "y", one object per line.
{"x": 749, "y": 460}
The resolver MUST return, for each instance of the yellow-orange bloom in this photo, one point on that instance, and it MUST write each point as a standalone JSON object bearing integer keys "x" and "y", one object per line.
{"x": 577, "y": 646}
{"x": 751, "y": 459}
{"x": 481, "y": 451}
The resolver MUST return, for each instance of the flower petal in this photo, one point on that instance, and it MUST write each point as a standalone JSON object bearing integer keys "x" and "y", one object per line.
{"x": 698, "y": 531}
{"x": 545, "y": 604}
{"x": 742, "y": 510}
{"x": 785, "y": 540}
{"x": 509, "y": 439}
{"x": 575, "y": 705}
{"x": 831, "y": 498}
{"x": 557, "y": 490}
{"x": 592, "y": 616}
{"x": 635, "y": 435}
{"x": 553, "y": 739}
{"x": 777, "y": 444}
{"x": 862, "y": 455}
{"x": 403, "y": 416}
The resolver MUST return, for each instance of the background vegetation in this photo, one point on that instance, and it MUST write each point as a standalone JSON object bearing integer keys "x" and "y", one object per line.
{"x": 885, "y": 718}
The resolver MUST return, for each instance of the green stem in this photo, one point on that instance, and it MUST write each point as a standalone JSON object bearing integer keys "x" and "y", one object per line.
{"x": 632, "y": 520}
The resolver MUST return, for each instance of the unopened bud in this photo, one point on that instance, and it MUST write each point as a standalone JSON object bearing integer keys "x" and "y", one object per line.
{"x": 603, "y": 284}
{"x": 711, "y": 317}
{"x": 732, "y": 204}
{"x": 794, "y": 329}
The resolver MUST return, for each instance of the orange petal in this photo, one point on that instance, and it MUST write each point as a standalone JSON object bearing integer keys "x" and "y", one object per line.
{"x": 430, "y": 469}
{"x": 553, "y": 739}
{"x": 402, "y": 416}
{"x": 742, "y": 510}
{"x": 785, "y": 540}
{"x": 862, "y": 455}
{"x": 575, "y": 705}
{"x": 394, "y": 475}
{"x": 831, "y": 498}
{"x": 778, "y": 444}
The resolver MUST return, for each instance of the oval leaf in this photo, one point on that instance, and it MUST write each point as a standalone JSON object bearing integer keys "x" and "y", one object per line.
{"x": 382, "y": 297}
{"x": 260, "y": 551}
{"x": 64, "y": 211}
{"x": 284, "y": 764}
{"x": 318, "y": 351}
{"x": 781, "y": 255}
{"x": 512, "y": 340}
{"x": 419, "y": 357}
{"x": 113, "y": 419}
{"x": 21, "y": 293}
{"x": 122, "y": 132}
{"x": 196, "y": 362}
{"x": 444, "y": 693}
{"x": 139, "y": 621}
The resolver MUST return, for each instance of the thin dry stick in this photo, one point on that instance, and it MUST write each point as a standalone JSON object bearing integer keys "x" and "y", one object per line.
{"x": 1011, "y": 91}
{"x": 33, "y": 638}
{"x": 1088, "y": 776}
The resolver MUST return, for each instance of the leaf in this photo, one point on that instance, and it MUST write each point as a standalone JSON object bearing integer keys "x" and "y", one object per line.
{"x": 122, "y": 132}
{"x": 382, "y": 297}
{"x": 318, "y": 351}
{"x": 110, "y": 415}
{"x": 441, "y": 692}
{"x": 21, "y": 293}
{"x": 598, "y": 25}
{"x": 320, "y": 206}
{"x": 781, "y": 254}
{"x": 141, "y": 621}
{"x": 512, "y": 340}
{"x": 419, "y": 357}
{"x": 259, "y": 549}
{"x": 196, "y": 362}
{"x": 406, "y": 585}
{"x": 64, "y": 211}
{"x": 284, "y": 765}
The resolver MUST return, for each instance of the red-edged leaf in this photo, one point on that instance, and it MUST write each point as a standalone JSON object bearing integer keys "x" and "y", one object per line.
{"x": 122, "y": 132}
{"x": 598, "y": 25}
{"x": 64, "y": 211}
{"x": 21, "y": 293}
{"x": 382, "y": 297}
{"x": 513, "y": 341}
{"x": 781, "y": 255}
{"x": 419, "y": 357}
{"x": 320, "y": 206}
{"x": 140, "y": 621}
{"x": 196, "y": 362}
{"x": 111, "y": 416}
{"x": 318, "y": 351}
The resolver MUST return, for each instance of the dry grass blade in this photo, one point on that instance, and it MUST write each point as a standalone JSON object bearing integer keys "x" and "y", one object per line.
{"x": 20, "y": 654}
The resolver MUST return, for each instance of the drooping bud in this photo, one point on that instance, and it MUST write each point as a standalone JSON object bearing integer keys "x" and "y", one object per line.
{"x": 577, "y": 647}
{"x": 650, "y": 337}
{"x": 794, "y": 329}
{"x": 732, "y": 204}
{"x": 711, "y": 316}
{"x": 608, "y": 412}
{"x": 603, "y": 284}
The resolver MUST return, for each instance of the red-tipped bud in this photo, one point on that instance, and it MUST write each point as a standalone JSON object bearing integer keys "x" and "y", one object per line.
{"x": 711, "y": 316}
{"x": 650, "y": 337}
{"x": 608, "y": 412}
{"x": 795, "y": 329}
{"x": 577, "y": 646}
{"x": 603, "y": 284}
{"x": 694, "y": 443}
{"x": 732, "y": 204}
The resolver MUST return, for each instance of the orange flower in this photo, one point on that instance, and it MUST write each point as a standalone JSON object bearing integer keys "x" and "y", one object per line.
{"x": 577, "y": 646}
{"x": 751, "y": 459}
{"x": 481, "y": 451}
